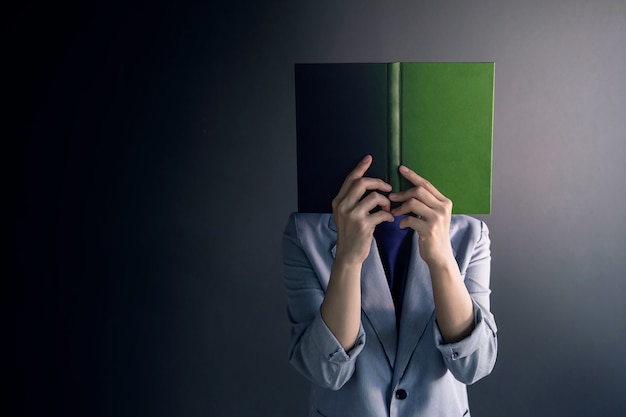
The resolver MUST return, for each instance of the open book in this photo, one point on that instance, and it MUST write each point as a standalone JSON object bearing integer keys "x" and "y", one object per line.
{"x": 435, "y": 118}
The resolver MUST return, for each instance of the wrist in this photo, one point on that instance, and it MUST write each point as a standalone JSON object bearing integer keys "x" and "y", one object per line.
{"x": 445, "y": 263}
{"x": 344, "y": 263}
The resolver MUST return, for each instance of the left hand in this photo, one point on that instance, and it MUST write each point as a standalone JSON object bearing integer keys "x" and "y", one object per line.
{"x": 432, "y": 224}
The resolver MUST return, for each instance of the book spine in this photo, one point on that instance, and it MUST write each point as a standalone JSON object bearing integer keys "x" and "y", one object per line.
{"x": 393, "y": 125}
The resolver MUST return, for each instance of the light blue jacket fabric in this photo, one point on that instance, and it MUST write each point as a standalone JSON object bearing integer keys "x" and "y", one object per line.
{"x": 363, "y": 381}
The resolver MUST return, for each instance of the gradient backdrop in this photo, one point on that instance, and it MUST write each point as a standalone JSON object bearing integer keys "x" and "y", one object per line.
{"x": 154, "y": 161}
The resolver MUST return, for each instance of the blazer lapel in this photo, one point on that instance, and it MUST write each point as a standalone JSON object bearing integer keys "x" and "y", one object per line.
{"x": 376, "y": 301}
{"x": 418, "y": 308}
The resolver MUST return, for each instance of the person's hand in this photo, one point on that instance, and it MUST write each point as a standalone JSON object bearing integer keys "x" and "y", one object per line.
{"x": 432, "y": 212}
{"x": 355, "y": 224}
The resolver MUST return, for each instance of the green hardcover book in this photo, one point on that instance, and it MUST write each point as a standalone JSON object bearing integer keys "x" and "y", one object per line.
{"x": 436, "y": 118}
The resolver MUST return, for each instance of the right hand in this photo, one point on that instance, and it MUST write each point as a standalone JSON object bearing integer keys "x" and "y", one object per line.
{"x": 355, "y": 224}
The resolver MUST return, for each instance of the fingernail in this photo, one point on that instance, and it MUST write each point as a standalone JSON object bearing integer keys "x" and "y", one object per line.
{"x": 403, "y": 168}
{"x": 367, "y": 157}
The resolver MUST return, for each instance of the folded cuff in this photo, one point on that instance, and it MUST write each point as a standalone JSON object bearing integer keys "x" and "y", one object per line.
{"x": 465, "y": 347}
{"x": 329, "y": 346}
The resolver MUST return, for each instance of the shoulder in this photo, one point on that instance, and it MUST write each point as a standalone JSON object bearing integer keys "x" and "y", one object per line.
{"x": 308, "y": 228}
{"x": 310, "y": 219}
{"x": 461, "y": 223}
{"x": 467, "y": 232}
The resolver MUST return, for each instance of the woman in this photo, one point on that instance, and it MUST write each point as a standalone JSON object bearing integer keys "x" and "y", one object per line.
{"x": 392, "y": 326}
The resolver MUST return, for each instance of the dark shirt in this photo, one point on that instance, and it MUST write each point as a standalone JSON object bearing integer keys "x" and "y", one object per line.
{"x": 394, "y": 246}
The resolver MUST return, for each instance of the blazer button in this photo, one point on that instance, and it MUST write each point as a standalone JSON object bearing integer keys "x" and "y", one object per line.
{"x": 401, "y": 394}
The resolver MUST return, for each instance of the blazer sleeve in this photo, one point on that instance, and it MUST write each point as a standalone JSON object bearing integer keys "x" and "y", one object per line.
{"x": 475, "y": 356}
{"x": 314, "y": 351}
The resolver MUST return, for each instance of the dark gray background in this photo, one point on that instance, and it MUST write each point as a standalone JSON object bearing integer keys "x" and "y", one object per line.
{"x": 154, "y": 163}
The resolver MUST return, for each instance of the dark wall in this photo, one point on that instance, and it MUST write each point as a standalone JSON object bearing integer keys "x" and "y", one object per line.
{"x": 152, "y": 154}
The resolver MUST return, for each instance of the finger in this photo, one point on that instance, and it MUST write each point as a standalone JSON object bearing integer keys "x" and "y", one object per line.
{"x": 381, "y": 216}
{"x": 355, "y": 193}
{"x": 416, "y": 180}
{"x": 361, "y": 167}
{"x": 416, "y": 223}
{"x": 372, "y": 201}
{"x": 363, "y": 184}
{"x": 413, "y": 206}
{"x": 420, "y": 193}
{"x": 357, "y": 172}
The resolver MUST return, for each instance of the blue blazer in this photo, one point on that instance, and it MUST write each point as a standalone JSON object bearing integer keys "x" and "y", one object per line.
{"x": 387, "y": 373}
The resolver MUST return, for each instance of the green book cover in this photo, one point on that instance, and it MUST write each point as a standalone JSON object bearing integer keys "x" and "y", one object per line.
{"x": 436, "y": 118}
